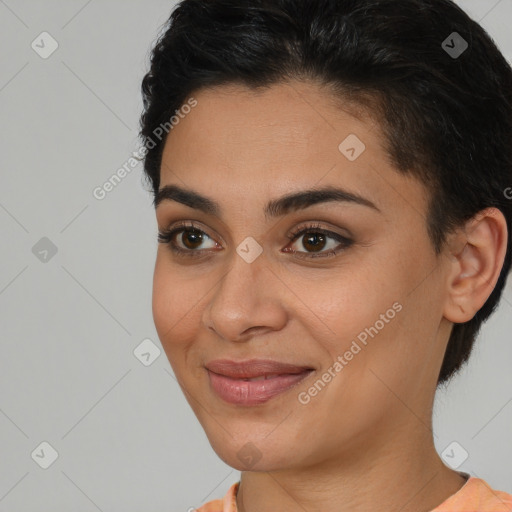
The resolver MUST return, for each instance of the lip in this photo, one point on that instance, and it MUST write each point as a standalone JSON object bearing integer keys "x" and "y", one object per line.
{"x": 252, "y": 368}
{"x": 227, "y": 379}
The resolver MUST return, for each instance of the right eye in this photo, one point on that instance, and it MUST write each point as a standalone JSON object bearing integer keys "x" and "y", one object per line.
{"x": 190, "y": 238}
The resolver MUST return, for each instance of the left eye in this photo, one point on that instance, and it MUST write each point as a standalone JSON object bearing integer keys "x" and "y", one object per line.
{"x": 315, "y": 240}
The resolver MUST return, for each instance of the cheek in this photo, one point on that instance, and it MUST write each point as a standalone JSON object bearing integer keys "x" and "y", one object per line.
{"x": 369, "y": 307}
{"x": 175, "y": 306}
{"x": 162, "y": 298}
{"x": 392, "y": 312}
{"x": 351, "y": 300}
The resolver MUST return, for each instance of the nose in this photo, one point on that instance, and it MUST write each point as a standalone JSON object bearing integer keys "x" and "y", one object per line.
{"x": 248, "y": 300}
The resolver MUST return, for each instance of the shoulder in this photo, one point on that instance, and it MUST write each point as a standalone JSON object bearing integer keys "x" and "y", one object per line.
{"x": 477, "y": 495}
{"x": 211, "y": 506}
{"x": 226, "y": 504}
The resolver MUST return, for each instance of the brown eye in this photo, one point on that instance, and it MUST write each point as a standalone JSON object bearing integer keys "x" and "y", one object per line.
{"x": 186, "y": 240}
{"x": 315, "y": 239}
{"x": 192, "y": 238}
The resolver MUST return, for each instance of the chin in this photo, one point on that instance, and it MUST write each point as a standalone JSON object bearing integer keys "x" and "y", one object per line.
{"x": 245, "y": 454}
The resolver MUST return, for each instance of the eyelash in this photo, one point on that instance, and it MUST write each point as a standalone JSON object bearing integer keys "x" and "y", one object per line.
{"x": 166, "y": 237}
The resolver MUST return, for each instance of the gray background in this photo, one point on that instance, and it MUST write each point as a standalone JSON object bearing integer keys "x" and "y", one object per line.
{"x": 125, "y": 435}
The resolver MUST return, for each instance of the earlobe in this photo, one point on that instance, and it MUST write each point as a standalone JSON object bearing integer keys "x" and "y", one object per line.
{"x": 475, "y": 268}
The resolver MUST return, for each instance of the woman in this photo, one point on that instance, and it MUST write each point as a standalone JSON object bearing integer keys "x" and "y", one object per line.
{"x": 332, "y": 237}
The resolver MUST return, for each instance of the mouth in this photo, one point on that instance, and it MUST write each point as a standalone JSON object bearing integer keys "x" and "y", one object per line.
{"x": 255, "y": 381}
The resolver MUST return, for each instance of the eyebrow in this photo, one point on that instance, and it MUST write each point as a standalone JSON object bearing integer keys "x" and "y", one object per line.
{"x": 274, "y": 208}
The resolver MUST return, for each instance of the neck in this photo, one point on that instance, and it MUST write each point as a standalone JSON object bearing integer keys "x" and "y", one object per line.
{"x": 399, "y": 475}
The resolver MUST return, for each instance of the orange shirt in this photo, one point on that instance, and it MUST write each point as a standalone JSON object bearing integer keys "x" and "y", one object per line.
{"x": 474, "y": 496}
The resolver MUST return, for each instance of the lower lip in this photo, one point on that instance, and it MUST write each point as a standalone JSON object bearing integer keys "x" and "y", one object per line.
{"x": 241, "y": 392}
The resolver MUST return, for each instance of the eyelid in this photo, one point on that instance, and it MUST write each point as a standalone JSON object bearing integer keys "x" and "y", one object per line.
{"x": 183, "y": 225}
{"x": 165, "y": 235}
{"x": 344, "y": 242}
{"x": 310, "y": 226}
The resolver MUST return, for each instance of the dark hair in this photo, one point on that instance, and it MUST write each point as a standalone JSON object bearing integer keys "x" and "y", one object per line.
{"x": 447, "y": 118}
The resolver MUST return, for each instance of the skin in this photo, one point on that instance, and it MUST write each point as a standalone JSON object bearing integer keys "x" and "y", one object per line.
{"x": 365, "y": 441}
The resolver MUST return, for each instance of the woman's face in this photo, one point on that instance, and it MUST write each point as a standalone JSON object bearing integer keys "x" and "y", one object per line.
{"x": 367, "y": 320}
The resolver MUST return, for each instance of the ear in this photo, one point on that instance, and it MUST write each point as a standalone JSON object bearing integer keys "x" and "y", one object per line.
{"x": 476, "y": 255}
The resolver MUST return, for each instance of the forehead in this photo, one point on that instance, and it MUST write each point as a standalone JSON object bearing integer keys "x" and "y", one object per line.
{"x": 283, "y": 122}
{"x": 239, "y": 143}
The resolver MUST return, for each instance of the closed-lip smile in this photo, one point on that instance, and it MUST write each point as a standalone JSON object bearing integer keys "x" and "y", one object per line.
{"x": 252, "y": 368}
{"x": 253, "y": 381}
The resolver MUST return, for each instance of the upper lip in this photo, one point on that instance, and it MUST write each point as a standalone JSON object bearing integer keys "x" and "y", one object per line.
{"x": 253, "y": 368}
